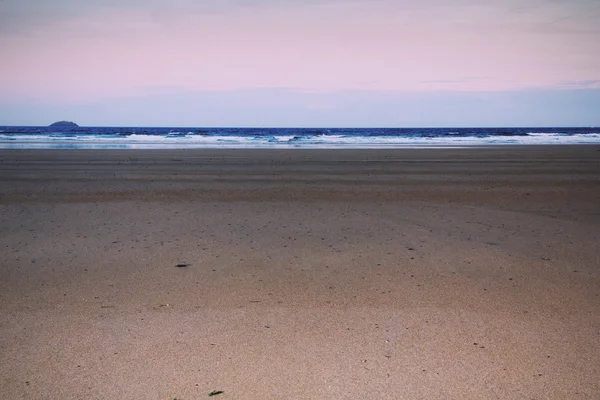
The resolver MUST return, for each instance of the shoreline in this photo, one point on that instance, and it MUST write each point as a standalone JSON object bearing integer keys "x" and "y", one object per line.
{"x": 42, "y": 146}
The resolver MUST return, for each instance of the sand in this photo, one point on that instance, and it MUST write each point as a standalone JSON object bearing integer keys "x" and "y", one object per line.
{"x": 333, "y": 274}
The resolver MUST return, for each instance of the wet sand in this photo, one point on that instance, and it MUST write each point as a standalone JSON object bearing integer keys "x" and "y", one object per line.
{"x": 368, "y": 274}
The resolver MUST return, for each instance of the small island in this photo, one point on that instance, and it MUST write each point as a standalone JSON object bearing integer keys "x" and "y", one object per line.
{"x": 64, "y": 124}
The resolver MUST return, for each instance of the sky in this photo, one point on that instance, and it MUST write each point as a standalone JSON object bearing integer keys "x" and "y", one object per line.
{"x": 300, "y": 62}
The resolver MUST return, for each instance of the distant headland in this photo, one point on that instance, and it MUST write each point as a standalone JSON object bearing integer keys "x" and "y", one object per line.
{"x": 65, "y": 123}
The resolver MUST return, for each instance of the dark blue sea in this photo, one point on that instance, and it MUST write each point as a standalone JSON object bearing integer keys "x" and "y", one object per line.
{"x": 158, "y": 138}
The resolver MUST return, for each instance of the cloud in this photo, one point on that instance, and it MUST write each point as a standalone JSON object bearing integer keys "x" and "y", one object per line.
{"x": 583, "y": 84}
{"x": 23, "y": 15}
{"x": 91, "y": 49}
{"x": 446, "y": 81}
{"x": 36, "y": 15}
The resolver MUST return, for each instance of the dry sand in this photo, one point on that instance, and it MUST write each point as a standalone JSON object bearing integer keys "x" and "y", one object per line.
{"x": 332, "y": 274}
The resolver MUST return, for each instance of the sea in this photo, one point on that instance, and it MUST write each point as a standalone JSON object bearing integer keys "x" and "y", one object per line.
{"x": 36, "y": 137}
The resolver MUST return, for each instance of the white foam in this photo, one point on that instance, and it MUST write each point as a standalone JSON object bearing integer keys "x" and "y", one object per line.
{"x": 191, "y": 140}
{"x": 285, "y": 138}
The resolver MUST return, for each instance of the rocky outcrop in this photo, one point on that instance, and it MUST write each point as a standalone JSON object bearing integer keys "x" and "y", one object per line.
{"x": 65, "y": 124}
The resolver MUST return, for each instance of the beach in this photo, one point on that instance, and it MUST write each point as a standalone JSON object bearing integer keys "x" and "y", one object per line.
{"x": 450, "y": 273}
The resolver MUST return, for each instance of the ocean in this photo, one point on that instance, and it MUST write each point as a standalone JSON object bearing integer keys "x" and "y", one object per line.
{"x": 24, "y": 137}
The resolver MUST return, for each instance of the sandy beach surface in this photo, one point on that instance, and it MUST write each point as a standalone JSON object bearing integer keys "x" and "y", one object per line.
{"x": 310, "y": 274}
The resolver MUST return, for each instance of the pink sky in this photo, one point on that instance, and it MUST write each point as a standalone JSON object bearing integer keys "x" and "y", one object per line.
{"x": 73, "y": 50}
